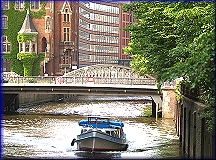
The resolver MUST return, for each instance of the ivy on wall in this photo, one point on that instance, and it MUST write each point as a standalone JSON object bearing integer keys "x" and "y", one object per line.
{"x": 177, "y": 91}
{"x": 28, "y": 60}
{"x": 36, "y": 64}
{"x": 15, "y": 21}
{"x": 27, "y": 37}
{"x": 39, "y": 14}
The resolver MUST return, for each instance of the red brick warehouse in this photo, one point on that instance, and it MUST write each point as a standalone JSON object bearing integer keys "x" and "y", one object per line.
{"x": 75, "y": 35}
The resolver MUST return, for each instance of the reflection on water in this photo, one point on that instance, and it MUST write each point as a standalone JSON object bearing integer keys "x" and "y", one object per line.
{"x": 98, "y": 155}
{"x": 49, "y": 132}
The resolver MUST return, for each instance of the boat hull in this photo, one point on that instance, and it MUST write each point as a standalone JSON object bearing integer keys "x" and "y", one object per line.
{"x": 98, "y": 141}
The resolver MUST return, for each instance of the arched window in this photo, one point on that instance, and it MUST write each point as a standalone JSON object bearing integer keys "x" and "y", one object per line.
{"x": 48, "y": 23}
{"x": 44, "y": 44}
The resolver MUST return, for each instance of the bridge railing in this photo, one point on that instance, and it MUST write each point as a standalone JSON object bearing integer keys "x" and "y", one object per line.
{"x": 31, "y": 79}
{"x": 81, "y": 80}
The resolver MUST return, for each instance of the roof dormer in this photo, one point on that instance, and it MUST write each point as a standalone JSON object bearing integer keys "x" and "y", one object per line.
{"x": 27, "y": 36}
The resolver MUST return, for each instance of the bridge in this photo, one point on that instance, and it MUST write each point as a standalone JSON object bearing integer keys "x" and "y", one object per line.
{"x": 95, "y": 80}
{"x": 98, "y": 74}
{"x": 95, "y": 89}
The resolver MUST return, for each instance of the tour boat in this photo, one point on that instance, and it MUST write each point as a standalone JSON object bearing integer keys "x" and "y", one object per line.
{"x": 101, "y": 134}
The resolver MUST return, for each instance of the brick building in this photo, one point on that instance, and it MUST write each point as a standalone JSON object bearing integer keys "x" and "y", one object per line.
{"x": 73, "y": 35}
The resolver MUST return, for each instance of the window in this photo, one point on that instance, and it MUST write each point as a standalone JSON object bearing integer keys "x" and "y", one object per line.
{"x": 66, "y": 16}
{"x": 66, "y": 59}
{"x": 34, "y": 4}
{"x": 48, "y": 22}
{"x": 27, "y": 47}
{"x": 21, "y": 47}
{"x": 33, "y": 47}
{"x": 19, "y": 4}
{"x": 66, "y": 34}
{"x": 5, "y": 5}
{"x": 6, "y": 46}
{"x": 4, "y": 22}
{"x": 6, "y": 65}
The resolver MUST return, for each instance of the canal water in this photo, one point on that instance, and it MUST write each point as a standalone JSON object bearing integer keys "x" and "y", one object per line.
{"x": 46, "y": 130}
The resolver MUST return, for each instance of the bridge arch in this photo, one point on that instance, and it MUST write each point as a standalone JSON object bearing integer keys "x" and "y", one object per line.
{"x": 106, "y": 71}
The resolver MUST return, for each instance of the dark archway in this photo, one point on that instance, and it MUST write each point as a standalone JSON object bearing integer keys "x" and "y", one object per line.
{"x": 44, "y": 44}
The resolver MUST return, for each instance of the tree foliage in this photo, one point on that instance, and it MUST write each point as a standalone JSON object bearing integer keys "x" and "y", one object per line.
{"x": 173, "y": 40}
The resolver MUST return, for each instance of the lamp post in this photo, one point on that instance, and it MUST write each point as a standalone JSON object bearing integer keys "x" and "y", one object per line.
{"x": 65, "y": 70}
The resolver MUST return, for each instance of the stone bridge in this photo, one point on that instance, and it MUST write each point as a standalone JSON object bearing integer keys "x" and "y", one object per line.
{"x": 111, "y": 74}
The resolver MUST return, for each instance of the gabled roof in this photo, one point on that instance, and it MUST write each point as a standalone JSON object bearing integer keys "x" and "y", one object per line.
{"x": 63, "y": 6}
{"x": 28, "y": 26}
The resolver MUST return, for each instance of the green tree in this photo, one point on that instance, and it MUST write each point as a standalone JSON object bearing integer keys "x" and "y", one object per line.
{"x": 172, "y": 40}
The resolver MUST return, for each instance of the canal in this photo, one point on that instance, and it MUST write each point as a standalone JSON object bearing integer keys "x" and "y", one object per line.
{"x": 46, "y": 130}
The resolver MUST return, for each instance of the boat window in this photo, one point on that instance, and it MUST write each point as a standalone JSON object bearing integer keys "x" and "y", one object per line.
{"x": 105, "y": 120}
{"x": 92, "y": 119}
{"x": 83, "y": 130}
{"x": 108, "y": 132}
{"x": 112, "y": 133}
{"x": 116, "y": 134}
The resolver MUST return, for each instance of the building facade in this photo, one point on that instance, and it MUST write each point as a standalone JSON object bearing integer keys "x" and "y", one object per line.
{"x": 70, "y": 34}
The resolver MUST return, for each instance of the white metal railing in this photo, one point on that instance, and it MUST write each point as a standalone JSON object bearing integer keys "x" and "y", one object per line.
{"x": 79, "y": 80}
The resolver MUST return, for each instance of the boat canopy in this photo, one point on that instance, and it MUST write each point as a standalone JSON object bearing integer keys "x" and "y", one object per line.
{"x": 98, "y": 122}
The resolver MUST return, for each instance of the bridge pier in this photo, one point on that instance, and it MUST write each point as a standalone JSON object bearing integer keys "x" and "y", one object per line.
{"x": 165, "y": 104}
{"x": 156, "y": 106}
{"x": 169, "y": 105}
